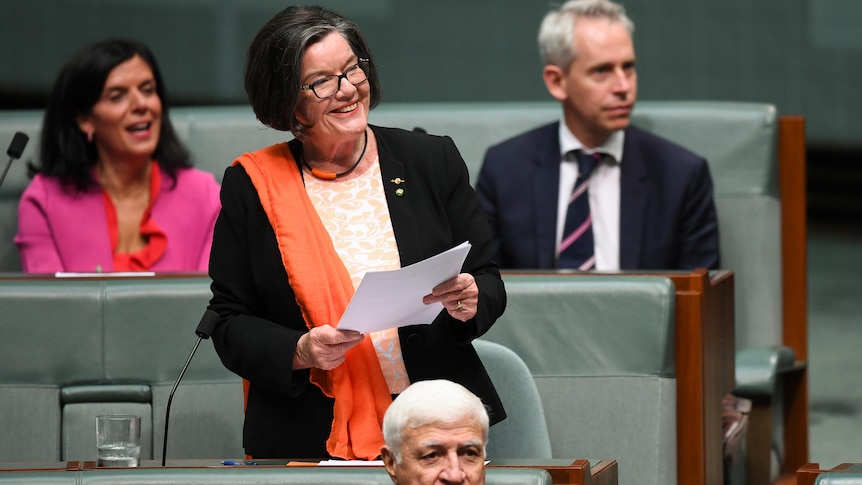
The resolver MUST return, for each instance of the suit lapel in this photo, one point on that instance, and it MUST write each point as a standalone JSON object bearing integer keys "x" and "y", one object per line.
{"x": 633, "y": 195}
{"x": 401, "y": 213}
{"x": 545, "y": 192}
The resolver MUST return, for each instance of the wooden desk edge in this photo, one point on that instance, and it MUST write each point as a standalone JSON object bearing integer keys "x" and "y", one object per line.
{"x": 807, "y": 473}
{"x": 579, "y": 472}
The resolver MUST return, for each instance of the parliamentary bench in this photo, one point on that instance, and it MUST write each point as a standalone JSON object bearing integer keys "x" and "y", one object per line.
{"x": 757, "y": 160}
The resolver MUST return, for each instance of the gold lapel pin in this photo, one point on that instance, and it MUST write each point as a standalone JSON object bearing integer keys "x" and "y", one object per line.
{"x": 398, "y": 181}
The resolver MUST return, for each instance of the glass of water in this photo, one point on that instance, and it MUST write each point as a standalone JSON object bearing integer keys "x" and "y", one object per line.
{"x": 118, "y": 440}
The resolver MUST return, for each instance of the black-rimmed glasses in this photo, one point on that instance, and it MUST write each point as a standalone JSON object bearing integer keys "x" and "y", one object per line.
{"x": 326, "y": 87}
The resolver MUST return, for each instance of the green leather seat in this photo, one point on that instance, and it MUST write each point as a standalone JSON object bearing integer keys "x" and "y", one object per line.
{"x": 601, "y": 352}
{"x": 737, "y": 139}
{"x": 79, "y": 348}
{"x": 524, "y": 432}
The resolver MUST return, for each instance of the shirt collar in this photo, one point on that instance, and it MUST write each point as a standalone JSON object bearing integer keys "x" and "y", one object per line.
{"x": 613, "y": 146}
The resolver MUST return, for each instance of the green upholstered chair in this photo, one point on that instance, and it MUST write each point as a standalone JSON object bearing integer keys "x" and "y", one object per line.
{"x": 77, "y": 348}
{"x": 148, "y": 333}
{"x": 757, "y": 160}
{"x": 219, "y": 135}
{"x": 524, "y": 433}
{"x": 601, "y": 352}
{"x": 51, "y": 336}
{"x": 758, "y": 164}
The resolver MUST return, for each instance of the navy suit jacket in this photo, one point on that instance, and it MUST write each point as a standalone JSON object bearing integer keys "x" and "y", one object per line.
{"x": 667, "y": 212}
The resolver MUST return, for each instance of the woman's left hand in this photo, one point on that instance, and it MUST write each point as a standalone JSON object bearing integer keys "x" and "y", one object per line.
{"x": 460, "y": 296}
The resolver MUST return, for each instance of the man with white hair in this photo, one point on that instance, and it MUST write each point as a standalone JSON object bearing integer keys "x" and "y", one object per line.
{"x": 435, "y": 433}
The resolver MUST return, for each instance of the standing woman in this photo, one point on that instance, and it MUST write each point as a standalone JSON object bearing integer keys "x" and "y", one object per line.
{"x": 114, "y": 190}
{"x": 302, "y": 221}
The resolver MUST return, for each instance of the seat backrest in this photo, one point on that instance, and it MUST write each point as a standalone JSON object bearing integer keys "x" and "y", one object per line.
{"x": 51, "y": 336}
{"x": 472, "y": 126}
{"x": 601, "y": 352}
{"x": 524, "y": 433}
{"x": 757, "y": 160}
{"x": 77, "y": 348}
{"x": 215, "y": 136}
{"x": 737, "y": 139}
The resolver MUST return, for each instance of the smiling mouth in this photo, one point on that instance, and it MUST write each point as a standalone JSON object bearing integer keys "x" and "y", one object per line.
{"x": 138, "y": 128}
{"x": 346, "y": 109}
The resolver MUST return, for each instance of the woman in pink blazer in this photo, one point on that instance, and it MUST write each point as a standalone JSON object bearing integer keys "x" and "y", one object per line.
{"x": 114, "y": 190}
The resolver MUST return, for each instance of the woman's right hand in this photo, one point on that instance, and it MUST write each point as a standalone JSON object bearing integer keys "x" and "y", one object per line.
{"x": 324, "y": 347}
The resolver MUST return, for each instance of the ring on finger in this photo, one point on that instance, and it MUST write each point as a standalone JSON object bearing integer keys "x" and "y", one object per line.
{"x": 459, "y": 306}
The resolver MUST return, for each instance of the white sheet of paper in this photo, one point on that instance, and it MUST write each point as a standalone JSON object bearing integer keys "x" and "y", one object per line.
{"x": 351, "y": 463}
{"x": 388, "y": 299}
{"x": 118, "y": 274}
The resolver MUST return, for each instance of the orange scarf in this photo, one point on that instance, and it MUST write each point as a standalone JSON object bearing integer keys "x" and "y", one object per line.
{"x": 323, "y": 289}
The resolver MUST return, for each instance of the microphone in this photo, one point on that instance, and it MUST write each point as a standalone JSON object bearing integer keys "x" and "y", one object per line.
{"x": 204, "y": 330}
{"x": 16, "y": 148}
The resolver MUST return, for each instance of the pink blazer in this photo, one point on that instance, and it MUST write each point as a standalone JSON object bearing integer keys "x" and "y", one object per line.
{"x": 61, "y": 230}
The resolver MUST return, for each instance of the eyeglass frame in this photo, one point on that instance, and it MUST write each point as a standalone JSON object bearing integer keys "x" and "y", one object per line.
{"x": 338, "y": 77}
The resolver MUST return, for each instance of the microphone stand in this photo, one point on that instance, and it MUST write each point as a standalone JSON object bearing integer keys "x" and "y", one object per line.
{"x": 16, "y": 148}
{"x": 204, "y": 330}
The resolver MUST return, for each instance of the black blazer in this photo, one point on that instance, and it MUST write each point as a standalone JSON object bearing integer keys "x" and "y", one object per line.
{"x": 667, "y": 212}
{"x": 287, "y": 416}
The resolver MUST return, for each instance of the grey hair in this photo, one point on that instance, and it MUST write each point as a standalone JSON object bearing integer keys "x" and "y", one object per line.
{"x": 274, "y": 62}
{"x": 556, "y": 33}
{"x": 435, "y": 401}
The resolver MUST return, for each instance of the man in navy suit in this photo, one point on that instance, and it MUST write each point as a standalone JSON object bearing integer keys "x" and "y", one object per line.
{"x": 650, "y": 201}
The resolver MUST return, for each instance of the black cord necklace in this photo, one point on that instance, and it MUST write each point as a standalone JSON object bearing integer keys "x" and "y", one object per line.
{"x": 332, "y": 175}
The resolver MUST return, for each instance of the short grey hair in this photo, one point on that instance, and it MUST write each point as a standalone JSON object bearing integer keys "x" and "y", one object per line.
{"x": 435, "y": 401}
{"x": 556, "y": 33}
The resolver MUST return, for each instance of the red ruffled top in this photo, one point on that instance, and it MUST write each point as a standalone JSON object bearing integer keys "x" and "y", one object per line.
{"x": 157, "y": 242}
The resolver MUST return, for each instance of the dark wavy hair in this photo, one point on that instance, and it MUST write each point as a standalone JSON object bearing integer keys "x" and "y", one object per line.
{"x": 274, "y": 62}
{"x": 65, "y": 152}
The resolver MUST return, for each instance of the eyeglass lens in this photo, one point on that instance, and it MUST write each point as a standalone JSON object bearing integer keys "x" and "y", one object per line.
{"x": 329, "y": 85}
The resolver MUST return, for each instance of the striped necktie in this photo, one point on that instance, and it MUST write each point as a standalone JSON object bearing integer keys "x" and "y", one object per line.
{"x": 576, "y": 247}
